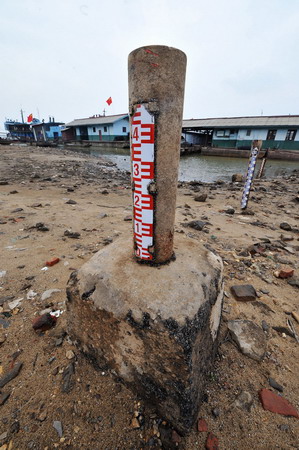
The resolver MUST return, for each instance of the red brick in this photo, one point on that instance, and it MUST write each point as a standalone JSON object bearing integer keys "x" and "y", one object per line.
{"x": 52, "y": 262}
{"x": 212, "y": 442}
{"x": 202, "y": 425}
{"x": 276, "y": 404}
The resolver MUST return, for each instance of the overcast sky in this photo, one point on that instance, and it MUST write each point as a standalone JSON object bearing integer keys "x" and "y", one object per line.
{"x": 64, "y": 58}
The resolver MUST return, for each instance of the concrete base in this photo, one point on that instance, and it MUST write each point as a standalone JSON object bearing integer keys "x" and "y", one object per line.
{"x": 155, "y": 327}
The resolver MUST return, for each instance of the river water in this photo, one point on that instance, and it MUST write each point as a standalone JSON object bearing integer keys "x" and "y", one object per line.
{"x": 204, "y": 168}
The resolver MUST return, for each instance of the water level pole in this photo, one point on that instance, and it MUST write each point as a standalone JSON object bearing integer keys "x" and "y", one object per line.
{"x": 255, "y": 148}
{"x": 156, "y": 96}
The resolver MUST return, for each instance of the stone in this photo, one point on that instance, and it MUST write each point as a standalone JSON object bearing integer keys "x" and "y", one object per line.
{"x": 215, "y": 412}
{"x": 286, "y": 237}
{"x": 202, "y": 425}
{"x": 244, "y": 401}
{"x": 11, "y": 374}
{"x": 71, "y": 202}
{"x": 285, "y": 226}
{"x": 161, "y": 345}
{"x": 70, "y": 354}
{"x": 277, "y": 404}
{"x": 243, "y": 292}
{"x": 275, "y": 385}
{"x": 3, "y": 397}
{"x": 196, "y": 224}
{"x": 212, "y": 442}
{"x": 48, "y": 293}
{"x": 294, "y": 282}
{"x": 249, "y": 337}
{"x": 58, "y": 427}
{"x": 237, "y": 178}
{"x": 230, "y": 211}
{"x": 201, "y": 197}
{"x": 286, "y": 272}
{"x": 72, "y": 234}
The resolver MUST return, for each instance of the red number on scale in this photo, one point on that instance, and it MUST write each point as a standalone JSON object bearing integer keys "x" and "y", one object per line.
{"x": 135, "y": 134}
{"x": 136, "y": 170}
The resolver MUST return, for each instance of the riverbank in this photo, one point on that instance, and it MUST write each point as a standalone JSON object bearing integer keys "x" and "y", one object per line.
{"x": 59, "y": 204}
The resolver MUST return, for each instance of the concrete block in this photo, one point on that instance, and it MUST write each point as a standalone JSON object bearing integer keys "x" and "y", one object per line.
{"x": 155, "y": 327}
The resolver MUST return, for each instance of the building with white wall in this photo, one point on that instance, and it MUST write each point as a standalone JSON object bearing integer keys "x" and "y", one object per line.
{"x": 100, "y": 128}
{"x": 276, "y": 132}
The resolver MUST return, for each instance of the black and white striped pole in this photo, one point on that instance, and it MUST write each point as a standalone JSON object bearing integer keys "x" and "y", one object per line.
{"x": 255, "y": 148}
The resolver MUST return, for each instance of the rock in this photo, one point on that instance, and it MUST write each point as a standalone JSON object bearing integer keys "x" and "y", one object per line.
{"x": 17, "y": 210}
{"x": 71, "y": 202}
{"x": 237, "y": 178}
{"x": 196, "y": 224}
{"x": 201, "y": 197}
{"x": 15, "y": 427}
{"x": 275, "y": 385}
{"x": 128, "y": 218}
{"x": 277, "y": 404}
{"x": 72, "y": 234}
{"x": 102, "y": 215}
{"x": 105, "y": 192}
{"x": 243, "y": 292}
{"x": 67, "y": 378}
{"x": 47, "y": 294}
{"x": 202, "y": 425}
{"x": 265, "y": 326}
{"x": 284, "y": 427}
{"x": 15, "y": 303}
{"x": 3, "y": 397}
{"x": 11, "y": 374}
{"x": 2, "y": 338}
{"x": 36, "y": 205}
{"x": 70, "y": 354}
{"x": 285, "y": 272}
{"x": 44, "y": 322}
{"x": 212, "y": 442}
{"x": 58, "y": 427}
{"x": 40, "y": 226}
{"x": 134, "y": 423}
{"x": 42, "y": 416}
{"x": 249, "y": 337}
{"x": 295, "y": 316}
{"x": 294, "y": 282}
{"x": 285, "y": 226}
{"x": 230, "y": 211}
{"x": 286, "y": 237}
{"x": 216, "y": 412}
{"x": 244, "y": 401}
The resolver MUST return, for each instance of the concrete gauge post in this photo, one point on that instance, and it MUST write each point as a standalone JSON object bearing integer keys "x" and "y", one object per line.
{"x": 155, "y": 325}
{"x": 156, "y": 96}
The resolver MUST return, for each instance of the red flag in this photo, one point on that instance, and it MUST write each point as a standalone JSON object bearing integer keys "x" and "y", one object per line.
{"x": 109, "y": 101}
{"x": 30, "y": 118}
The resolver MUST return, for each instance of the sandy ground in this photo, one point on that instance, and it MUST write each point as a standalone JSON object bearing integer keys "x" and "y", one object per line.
{"x": 97, "y": 410}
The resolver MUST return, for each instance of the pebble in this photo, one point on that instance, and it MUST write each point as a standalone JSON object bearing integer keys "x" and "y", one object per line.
{"x": 72, "y": 234}
{"x": 265, "y": 326}
{"x": 201, "y": 197}
{"x": 58, "y": 427}
{"x": 48, "y": 293}
{"x": 216, "y": 412}
{"x": 244, "y": 401}
{"x": 70, "y": 354}
{"x": 249, "y": 337}
{"x": 71, "y": 202}
{"x": 244, "y": 293}
{"x": 196, "y": 224}
{"x": 202, "y": 425}
{"x": 275, "y": 385}
{"x": 285, "y": 226}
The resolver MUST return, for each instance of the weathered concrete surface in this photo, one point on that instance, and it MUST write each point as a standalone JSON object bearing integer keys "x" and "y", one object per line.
{"x": 157, "y": 80}
{"x": 155, "y": 327}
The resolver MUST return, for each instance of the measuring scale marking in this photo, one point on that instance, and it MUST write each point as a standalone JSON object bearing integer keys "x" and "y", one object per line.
{"x": 143, "y": 173}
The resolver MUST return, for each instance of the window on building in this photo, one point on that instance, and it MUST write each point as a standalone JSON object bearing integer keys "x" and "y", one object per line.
{"x": 271, "y": 135}
{"x": 94, "y": 129}
{"x": 232, "y": 131}
{"x": 105, "y": 128}
{"x": 124, "y": 129}
{"x": 222, "y": 133}
{"x": 291, "y": 135}
{"x": 248, "y": 132}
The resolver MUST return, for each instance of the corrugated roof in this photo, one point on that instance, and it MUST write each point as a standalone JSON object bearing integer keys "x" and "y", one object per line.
{"x": 96, "y": 120}
{"x": 239, "y": 122}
